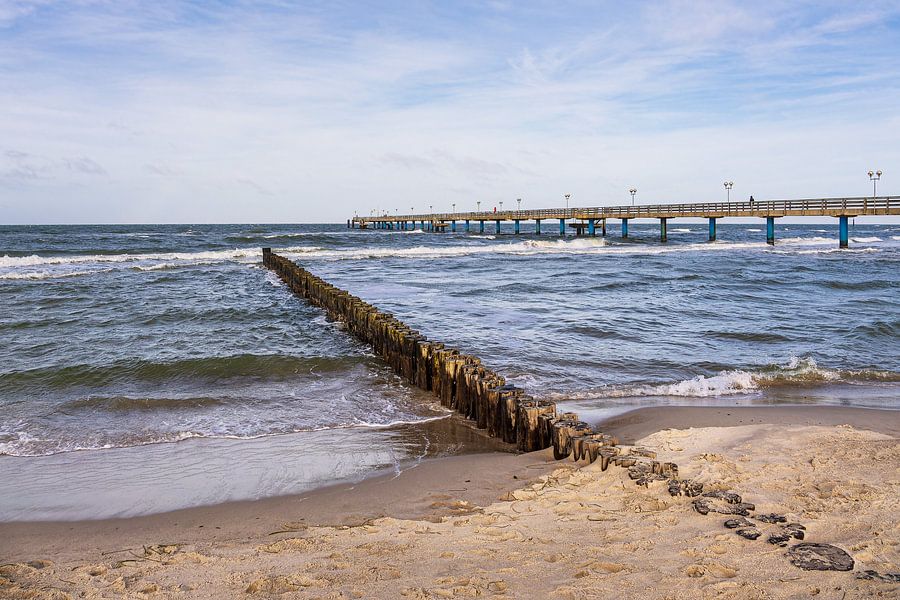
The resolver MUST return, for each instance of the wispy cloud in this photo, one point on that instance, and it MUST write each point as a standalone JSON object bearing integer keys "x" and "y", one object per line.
{"x": 201, "y": 109}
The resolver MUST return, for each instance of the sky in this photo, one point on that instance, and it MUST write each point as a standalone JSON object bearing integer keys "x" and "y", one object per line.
{"x": 263, "y": 112}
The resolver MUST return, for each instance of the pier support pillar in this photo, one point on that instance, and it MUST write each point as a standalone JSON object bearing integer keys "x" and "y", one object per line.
{"x": 663, "y": 234}
{"x": 770, "y": 230}
{"x": 498, "y": 227}
{"x": 453, "y": 226}
{"x": 844, "y": 232}
{"x": 517, "y": 227}
{"x": 480, "y": 226}
{"x": 468, "y": 228}
{"x": 562, "y": 227}
{"x": 537, "y": 227}
{"x": 591, "y": 231}
{"x": 624, "y": 228}
{"x": 712, "y": 229}
{"x": 603, "y": 227}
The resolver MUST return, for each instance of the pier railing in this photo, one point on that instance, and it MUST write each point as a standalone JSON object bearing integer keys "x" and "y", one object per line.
{"x": 850, "y": 206}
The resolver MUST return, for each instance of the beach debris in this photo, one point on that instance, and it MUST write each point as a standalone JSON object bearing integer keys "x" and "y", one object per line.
{"x": 750, "y": 533}
{"x": 771, "y": 518}
{"x": 739, "y": 522}
{"x": 685, "y": 487}
{"x": 820, "y": 557}
{"x": 872, "y": 575}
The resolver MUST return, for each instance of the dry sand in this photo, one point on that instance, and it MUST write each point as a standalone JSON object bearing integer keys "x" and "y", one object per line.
{"x": 464, "y": 527}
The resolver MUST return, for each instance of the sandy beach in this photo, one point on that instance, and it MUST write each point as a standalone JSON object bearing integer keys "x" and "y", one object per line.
{"x": 518, "y": 526}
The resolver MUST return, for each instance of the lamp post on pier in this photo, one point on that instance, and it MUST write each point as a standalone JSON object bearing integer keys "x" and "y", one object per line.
{"x": 478, "y": 205}
{"x": 454, "y": 208}
{"x": 728, "y": 186}
{"x": 519, "y": 200}
{"x": 874, "y": 176}
{"x": 632, "y": 191}
{"x": 501, "y": 206}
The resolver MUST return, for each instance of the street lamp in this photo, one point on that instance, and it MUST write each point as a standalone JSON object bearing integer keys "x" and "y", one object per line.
{"x": 567, "y": 201}
{"x": 431, "y": 208}
{"x": 728, "y": 186}
{"x": 519, "y": 200}
{"x": 632, "y": 191}
{"x": 501, "y": 206}
{"x": 454, "y": 208}
{"x": 874, "y": 177}
{"x": 478, "y": 204}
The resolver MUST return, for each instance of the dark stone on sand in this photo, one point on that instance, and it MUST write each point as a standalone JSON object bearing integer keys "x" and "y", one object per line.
{"x": 872, "y": 575}
{"x": 739, "y": 522}
{"x": 750, "y": 533}
{"x": 779, "y": 539}
{"x": 685, "y": 487}
{"x": 729, "y": 497}
{"x": 705, "y": 505}
{"x": 820, "y": 557}
{"x": 772, "y": 518}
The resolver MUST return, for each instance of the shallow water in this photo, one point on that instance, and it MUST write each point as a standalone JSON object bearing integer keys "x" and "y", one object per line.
{"x": 135, "y": 336}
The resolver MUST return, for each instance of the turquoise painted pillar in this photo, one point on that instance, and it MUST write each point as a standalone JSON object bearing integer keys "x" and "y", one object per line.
{"x": 591, "y": 229}
{"x": 624, "y": 228}
{"x": 663, "y": 234}
{"x": 537, "y": 226}
{"x": 603, "y": 227}
{"x": 844, "y": 232}
{"x": 712, "y": 229}
{"x": 498, "y": 227}
{"x": 453, "y": 226}
{"x": 423, "y": 226}
{"x": 517, "y": 227}
{"x": 480, "y": 226}
{"x": 562, "y": 227}
{"x": 467, "y": 226}
{"x": 770, "y": 230}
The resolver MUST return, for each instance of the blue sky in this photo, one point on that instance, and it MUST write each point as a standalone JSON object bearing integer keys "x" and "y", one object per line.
{"x": 274, "y": 111}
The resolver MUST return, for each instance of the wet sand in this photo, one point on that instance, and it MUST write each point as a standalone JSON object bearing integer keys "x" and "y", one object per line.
{"x": 516, "y": 526}
{"x": 638, "y": 423}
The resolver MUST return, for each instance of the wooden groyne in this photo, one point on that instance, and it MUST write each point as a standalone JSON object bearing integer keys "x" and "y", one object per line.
{"x": 461, "y": 382}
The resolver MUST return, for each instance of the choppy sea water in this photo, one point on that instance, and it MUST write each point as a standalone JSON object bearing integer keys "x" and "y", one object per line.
{"x": 130, "y": 336}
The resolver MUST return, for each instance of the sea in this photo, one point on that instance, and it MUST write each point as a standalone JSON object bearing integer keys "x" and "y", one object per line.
{"x": 148, "y": 368}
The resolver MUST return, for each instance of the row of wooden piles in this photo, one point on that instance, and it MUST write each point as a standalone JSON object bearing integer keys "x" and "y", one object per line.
{"x": 460, "y": 381}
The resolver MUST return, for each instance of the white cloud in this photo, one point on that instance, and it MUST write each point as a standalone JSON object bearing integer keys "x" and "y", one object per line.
{"x": 277, "y": 115}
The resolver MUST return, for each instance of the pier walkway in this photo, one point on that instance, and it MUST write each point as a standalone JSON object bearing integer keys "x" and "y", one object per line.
{"x": 586, "y": 220}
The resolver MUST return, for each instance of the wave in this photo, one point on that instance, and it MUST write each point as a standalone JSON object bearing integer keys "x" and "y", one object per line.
{"x": 210, "y": 255}
{"x": 797, "y": 372}
{"x": 24, "y": 444}
{"x": 866, "y": 240}
{"x": 38, "y": 275}
{"x": 587, "y": 245}
{"x": 680, "y": 230}
{"x": 272, "y": 366}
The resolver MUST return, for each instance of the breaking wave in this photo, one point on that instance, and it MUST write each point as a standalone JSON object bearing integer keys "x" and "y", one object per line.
{"x": 797, "y": 372}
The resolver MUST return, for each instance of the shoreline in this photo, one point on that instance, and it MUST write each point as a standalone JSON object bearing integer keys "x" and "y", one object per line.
{"x": 428, "y": 490}
{"x": 516, "y": 526}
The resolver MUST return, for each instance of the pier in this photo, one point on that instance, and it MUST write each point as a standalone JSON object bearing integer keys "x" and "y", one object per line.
{"x": 585, "y": 221}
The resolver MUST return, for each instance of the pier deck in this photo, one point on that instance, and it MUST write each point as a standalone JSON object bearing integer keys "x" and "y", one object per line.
{"x": 841, "y": 208}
